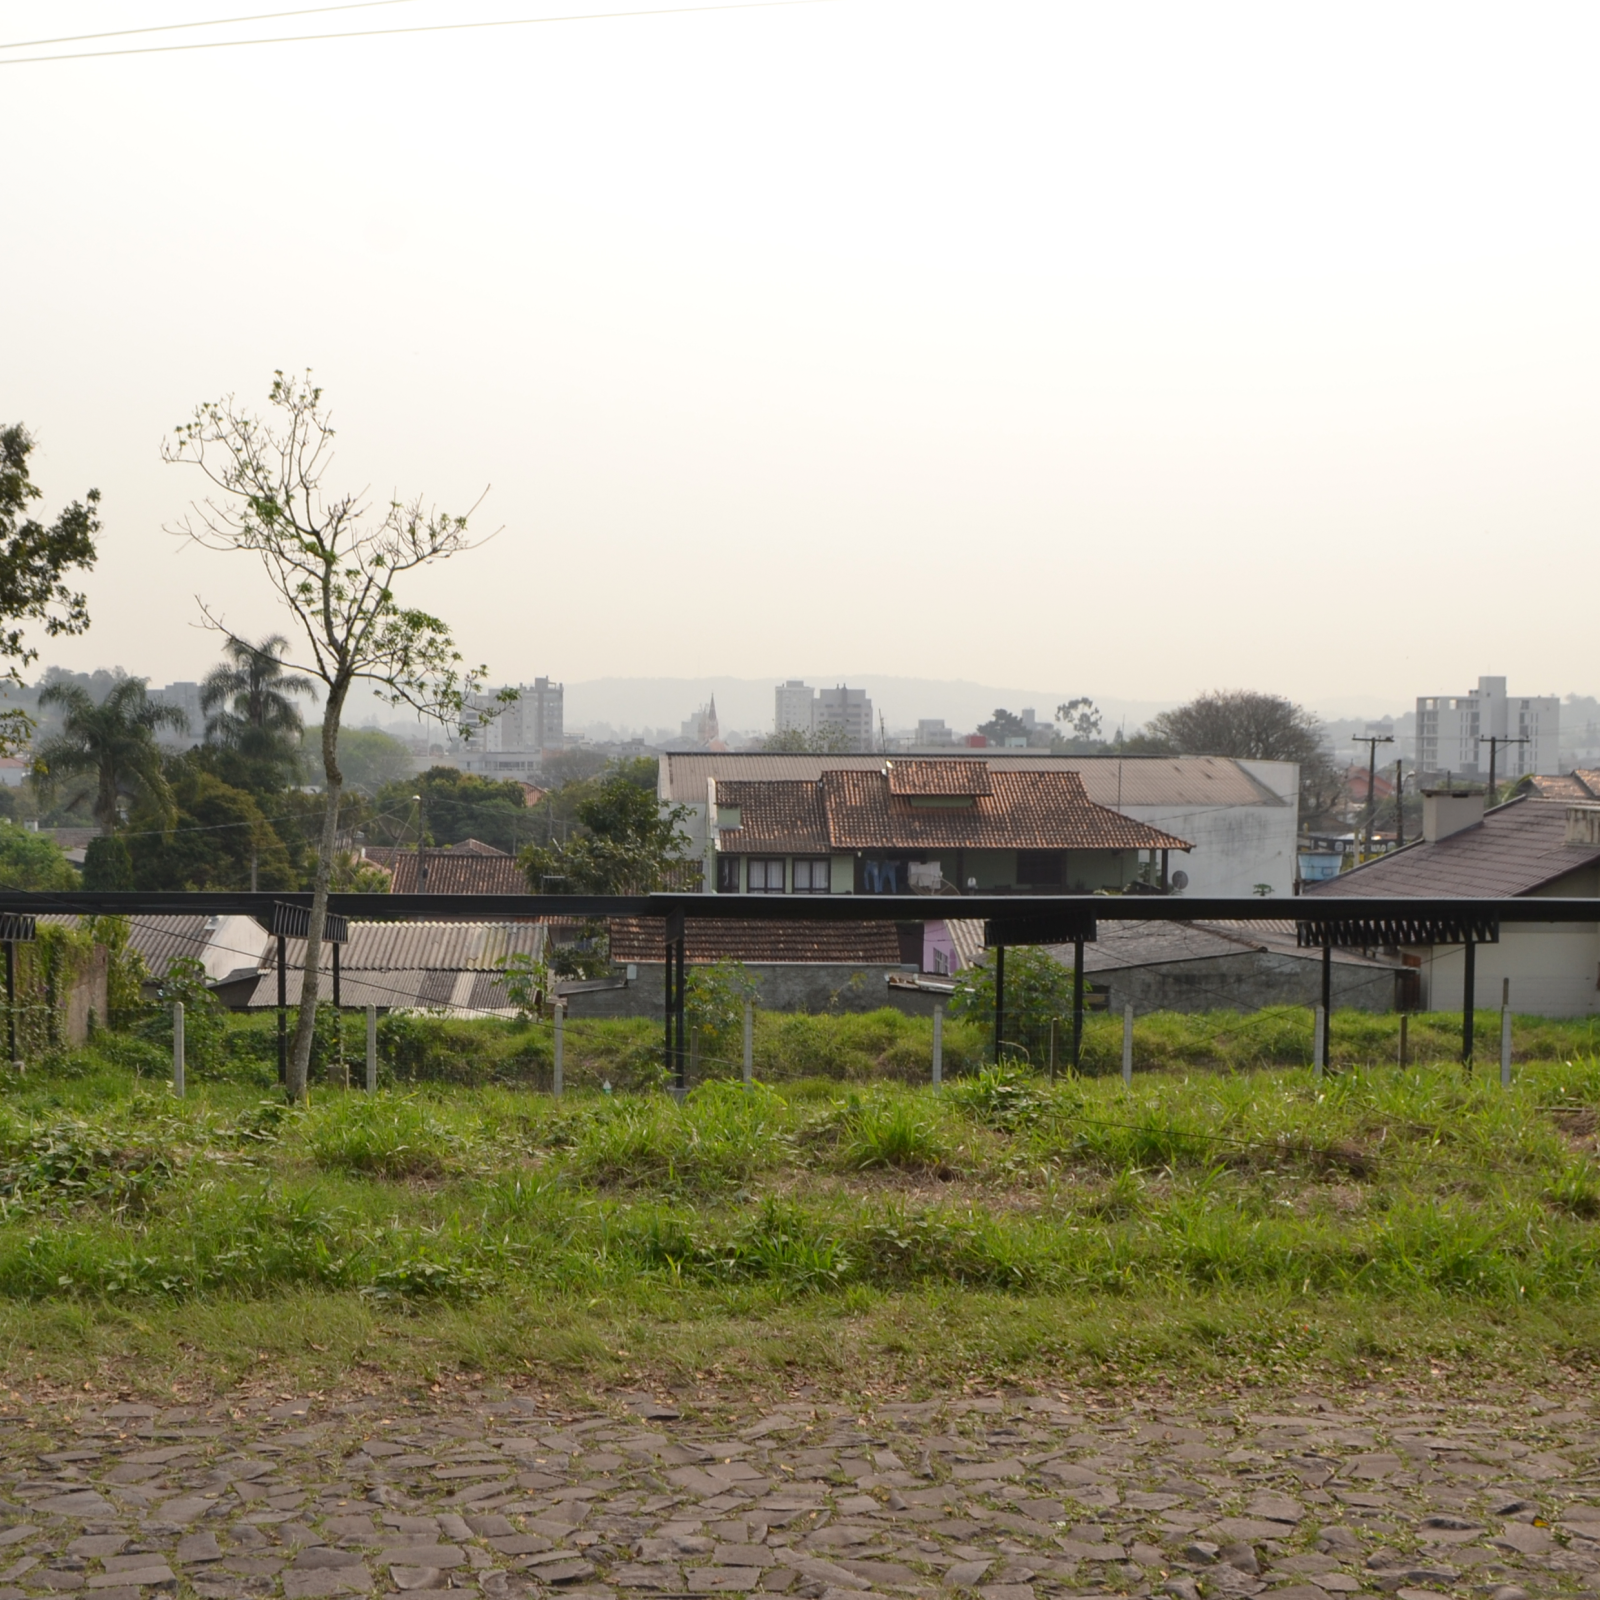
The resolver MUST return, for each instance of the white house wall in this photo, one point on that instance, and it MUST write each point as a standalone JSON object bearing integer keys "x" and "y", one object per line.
{"x": 1235, "y": 847}
{"x": 1553, "y": 967}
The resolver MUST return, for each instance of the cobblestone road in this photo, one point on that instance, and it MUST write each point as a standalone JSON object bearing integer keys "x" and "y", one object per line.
{"x": 1013, "y": 1500}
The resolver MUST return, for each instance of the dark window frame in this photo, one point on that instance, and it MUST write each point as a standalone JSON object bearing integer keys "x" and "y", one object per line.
{"x": 765, "y": 863}
{"x": 816, "y": 866}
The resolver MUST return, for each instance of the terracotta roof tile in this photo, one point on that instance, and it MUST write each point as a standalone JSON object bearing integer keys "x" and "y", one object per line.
{"x": 708, "y": 939}
{"x": 786, "y": 815}
{"x": 1023, "y": 811}
{"x": 472, "y": 868}
{"x": 939, "y": 777}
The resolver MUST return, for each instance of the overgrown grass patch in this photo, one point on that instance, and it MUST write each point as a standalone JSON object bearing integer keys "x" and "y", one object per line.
{"x": 1195, "y": 1218}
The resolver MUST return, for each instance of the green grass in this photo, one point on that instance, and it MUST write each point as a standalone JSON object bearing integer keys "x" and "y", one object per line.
{"x": 1005, "y": 1227}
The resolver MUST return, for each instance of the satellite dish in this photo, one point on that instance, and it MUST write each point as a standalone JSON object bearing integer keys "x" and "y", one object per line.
{"x": 1180, "y": 881}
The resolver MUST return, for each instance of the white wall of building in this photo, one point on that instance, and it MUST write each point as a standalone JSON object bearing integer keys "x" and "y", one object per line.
{"x": 1453, "y": 730}
{"x": 1554, "y": 968}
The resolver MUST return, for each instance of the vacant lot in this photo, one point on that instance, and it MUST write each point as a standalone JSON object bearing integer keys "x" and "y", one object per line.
{"x": 1243, "y": 1226}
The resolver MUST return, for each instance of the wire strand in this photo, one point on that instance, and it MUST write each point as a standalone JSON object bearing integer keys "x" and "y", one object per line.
{"x": 433, "y": 27}
{"x": 214, "y": 22}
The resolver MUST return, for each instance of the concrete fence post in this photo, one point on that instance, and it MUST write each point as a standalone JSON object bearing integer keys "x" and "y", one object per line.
{"x": 556, "y": 1082}
{"x": 1319, "y": 1043}
{"x": 177, "y": 1048}
{"x": 1127, "y": 1045}
{"x": 749, "y": 1042}
{"x": 372, "y": 1049}
{"x": 938, "y": 1045}
{"x": 1505, "y": 1033}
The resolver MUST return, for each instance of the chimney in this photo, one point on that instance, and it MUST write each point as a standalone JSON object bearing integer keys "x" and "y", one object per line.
{"x": 1583, "y": 826}
{"x": 1447, "y": 811}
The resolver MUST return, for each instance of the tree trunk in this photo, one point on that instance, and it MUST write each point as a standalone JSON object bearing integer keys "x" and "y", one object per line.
{"x": 311, "y": 980}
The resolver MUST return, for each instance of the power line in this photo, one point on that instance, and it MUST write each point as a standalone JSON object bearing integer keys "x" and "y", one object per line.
{"x": 435, "y": 27}
{"x": 214, "y": 22}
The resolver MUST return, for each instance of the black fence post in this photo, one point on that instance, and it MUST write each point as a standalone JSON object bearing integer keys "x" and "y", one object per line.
{"x": 999, "y": 998}
{"x": 682, "y": 1010}
{"x": 1077, "y": 1003}
{"x": 1327, "y": 1004}
{"x": 283, "y": 1009}
{"x": 1468, "y": 998}
{"x": 11, "y": 999}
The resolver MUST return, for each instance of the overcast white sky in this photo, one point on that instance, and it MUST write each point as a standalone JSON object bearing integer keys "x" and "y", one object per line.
{"x": 1126, "y": 349}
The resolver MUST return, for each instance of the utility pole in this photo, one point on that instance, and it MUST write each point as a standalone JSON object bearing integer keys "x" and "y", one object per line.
{"x": 1494, "y": 741}
{"x": 422, "y": 860}
{"x": 1399, "y": 805}
{"x": 1372, "y": 741}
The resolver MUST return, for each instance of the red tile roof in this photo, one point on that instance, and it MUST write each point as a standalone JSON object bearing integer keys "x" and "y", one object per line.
{"x": 707, "y": 939}
{"x": 939, "y": 777}
{"x": 786, "y": 816}
{"x": 472, "y": 868}
{"x": 1023, "y": 811}
{"x": 851, "y": 809}
{"x": 1582, "y": 783}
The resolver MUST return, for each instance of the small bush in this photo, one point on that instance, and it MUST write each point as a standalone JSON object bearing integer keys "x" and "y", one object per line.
{"x": 880, "y": 1132}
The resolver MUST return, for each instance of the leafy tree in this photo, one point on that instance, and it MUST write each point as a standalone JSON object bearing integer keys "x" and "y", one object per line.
{"x": 109, "y": 751}
{"x": 107, "y": 864}
{"x": 352, "y": 875}
{"x": 1003, "y": 725}
{"x": 369, "y": 758}
{"x": 458, "y": 805}
{"x": 819, "y": 742}
{"x": 628, "y": 845}
{"x": 1080, "y": 718}
{"x": 219, "y": 838}
{"x": 335, "y": 565}
{"x": 1037, "y": 987}
{"x": 33, "y": 861}
{"x": 249, "y": 701}
{"x": 714, "y": 1002}
{"x": 33, "y": 560}
{"x": 1257, "y": 727}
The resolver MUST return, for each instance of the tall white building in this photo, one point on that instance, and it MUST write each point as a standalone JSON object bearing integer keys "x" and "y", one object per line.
{"x": 848, "y": 712}
{"x": 794, "y": 707}
{"x": 1453, "y": 733}
{"x": 514, "y": 737}
{"x": 186, "y": 697}
{"x": 831, "y": 712}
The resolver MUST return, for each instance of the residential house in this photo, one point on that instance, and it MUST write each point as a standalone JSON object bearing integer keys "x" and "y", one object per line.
{"x": 928, "y": 825}
{"x": 1529, "y": 847}
{"x": 1239, "y": 817}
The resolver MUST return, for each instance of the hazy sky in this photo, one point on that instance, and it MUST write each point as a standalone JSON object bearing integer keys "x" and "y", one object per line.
{"x": 1126, "y": 349}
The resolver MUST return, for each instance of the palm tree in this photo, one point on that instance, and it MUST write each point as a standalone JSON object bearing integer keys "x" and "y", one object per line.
{"x": 112, "y": 745}
{"x": 248, "y": 704}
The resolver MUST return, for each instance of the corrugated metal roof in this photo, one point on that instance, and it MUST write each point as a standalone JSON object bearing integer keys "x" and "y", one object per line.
{"x": 707, "y": 939}
{"x": 415, "y": 946}
{"x": 1116, "y": 781}
{"x": 459, "y": 993}
{"x": 1516, "y": 849}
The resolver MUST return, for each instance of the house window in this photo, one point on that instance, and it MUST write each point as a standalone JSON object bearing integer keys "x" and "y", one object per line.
{"x": 765, "y": 876}
{"x": 812, "y": 875}
{"x": 727, "y": 874}
{"x": 1039, "y": 868}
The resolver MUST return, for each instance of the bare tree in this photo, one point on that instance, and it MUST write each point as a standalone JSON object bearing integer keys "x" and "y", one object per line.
{"x": 334, "y": 561}
{"x": 1256, "y": 727}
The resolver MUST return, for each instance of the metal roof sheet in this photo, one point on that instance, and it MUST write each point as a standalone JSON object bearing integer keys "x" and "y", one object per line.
{"x": 415, "y": 946}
